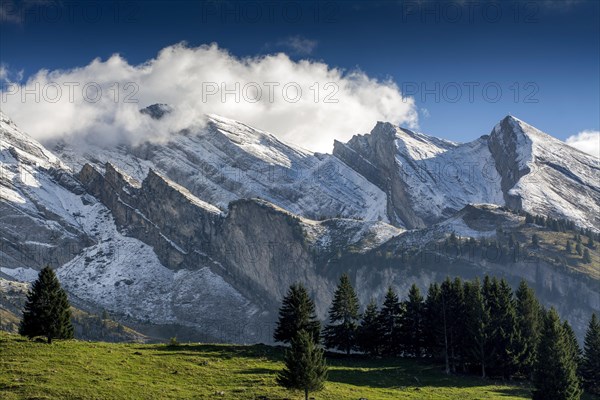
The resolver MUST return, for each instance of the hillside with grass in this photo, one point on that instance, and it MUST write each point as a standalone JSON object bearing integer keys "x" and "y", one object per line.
{"x": 92, "y": 370}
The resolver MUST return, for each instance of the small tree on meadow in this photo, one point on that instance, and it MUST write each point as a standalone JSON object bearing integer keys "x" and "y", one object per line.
{"x": 305, "y": 368}
{"x": 47, "y": 311}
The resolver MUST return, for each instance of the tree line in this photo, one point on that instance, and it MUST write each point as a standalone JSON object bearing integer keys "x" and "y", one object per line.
{"x": 470, "y": 327}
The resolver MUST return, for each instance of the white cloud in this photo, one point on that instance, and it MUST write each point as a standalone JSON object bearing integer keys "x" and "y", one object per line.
{"x": 299, "y": 45}
{"x": 587, "y": 141}
{"x": 182, "y": 76}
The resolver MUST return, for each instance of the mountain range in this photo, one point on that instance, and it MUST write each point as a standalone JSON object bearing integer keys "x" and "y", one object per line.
{"x": 200, "y": 235}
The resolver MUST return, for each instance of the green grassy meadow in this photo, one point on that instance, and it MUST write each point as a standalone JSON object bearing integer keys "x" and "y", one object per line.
{"x": 94, "y": 370}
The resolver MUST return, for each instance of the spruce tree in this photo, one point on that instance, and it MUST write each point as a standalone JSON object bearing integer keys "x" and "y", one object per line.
{"x": 502, "y": 329}
{"x": 369, "y": 332}
{"x": 590, "y": 365}
{"x": 434, "y": 343}
{"x": 305, "y": 367}
{"x": 586, "y": 256}
{"x": 297, "y": 313}
{"x": 528, "y": 311}
{"x": 572, "y": 344}
{"x": 590, "y": 242}
{"x": 389, "y": 320}
{"x": 453, "y": 309}
{"x": 476, "y": 319}
{"x": 578, "y": 248}
{"x": 569, "y": 247}
{"x": 47, "y": 311}
{"x": 343, "y": 318}
{"x": 411, "y": 326}
{"x": 554, "y": 375}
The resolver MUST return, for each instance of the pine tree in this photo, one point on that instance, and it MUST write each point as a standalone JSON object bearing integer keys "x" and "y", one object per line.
{"x": 305, "y": 367}
{"x": 586, "y": 256}
{"x": 297, "y": 313}
{"x": 369, "y": 332}
{"x": 528, "y": 311}
{"x": 411, "y": 326}
{"x": 47, "y": 311}
{"x": 502, "y": 329}
{"x": 590, "y": 365}
{"x": 569, "y": 247}
{"x": 389, "y": 320}
{"x": 590, "y": 242}
{"x": 343, "y": 317}
{"x": 578, "y": 248}
{"x": 535, "y": 240}
{"x": 572, "y": 344}
{"x": 453, "y": 306}
{"x": 476, "y": 318}
{"x": 434, "y": 317}
{"x": 554, "y": 375}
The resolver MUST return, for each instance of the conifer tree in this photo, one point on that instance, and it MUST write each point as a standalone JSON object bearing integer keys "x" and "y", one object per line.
{"x": 411, "y": 326}
{"x": 590, "y": 242}
{"x": 569, "y": 247}
{"x": 434, "y": 318}
{"x": 389, "y": 320}
{"x": 297, "y": 313}
{"x": 502, "y": 329}
{"x": 578, "y": 248}
{"x": 528, "y": 310}
{"x": 554, "y": 375}
{"x": 476, "y": 318}
{"x": 343, "y": 318}
{"x": 305, "y": 367}
{"x": 572, "y": 344}
{"x": 590, "y": 365}
{"x": 369, "y": 332}
{"x": 535, "y": 240}
{"x": 586, "y": 256}
{"x": 453, "y": 309}
{"x": 47, "y": 311}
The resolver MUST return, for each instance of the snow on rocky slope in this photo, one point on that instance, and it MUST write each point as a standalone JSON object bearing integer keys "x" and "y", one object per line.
{"x": 48, "y": 218}
{"x": 228, "y": 160}
{"x": 428, "y": 179}
{"x": 543, "y": 175}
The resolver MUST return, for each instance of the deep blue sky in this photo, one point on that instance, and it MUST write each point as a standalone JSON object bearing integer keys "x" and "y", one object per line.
{"x": 552, "y": 45}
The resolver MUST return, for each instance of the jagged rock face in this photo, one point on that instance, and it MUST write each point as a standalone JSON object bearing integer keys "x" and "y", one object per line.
{"x": 426, "y": 179}
{"x": 40, "y": 204}
{"x": 542, "y": 175}
{"x": 504, "y": 145}
{"x": 227, "y": 161}
{"x": 374, "y": 156}
{"x": 257, "y": 247}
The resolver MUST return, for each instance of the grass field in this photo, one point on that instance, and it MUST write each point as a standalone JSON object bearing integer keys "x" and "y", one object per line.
{"x": 92, "y": 370}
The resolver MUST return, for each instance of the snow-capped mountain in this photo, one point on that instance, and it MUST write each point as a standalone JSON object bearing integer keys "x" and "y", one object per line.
{"x": 201, "y": 234}
{"x": 228, "y": 160}
{"x": 427, "y": 179}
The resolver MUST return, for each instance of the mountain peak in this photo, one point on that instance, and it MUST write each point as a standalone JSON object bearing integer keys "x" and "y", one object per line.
{"x": 157, "y": 111}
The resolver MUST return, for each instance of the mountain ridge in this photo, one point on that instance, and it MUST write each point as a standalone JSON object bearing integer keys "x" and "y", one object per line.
{"x": 168, "y": 235}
